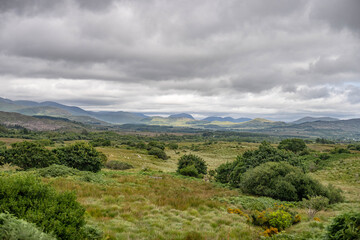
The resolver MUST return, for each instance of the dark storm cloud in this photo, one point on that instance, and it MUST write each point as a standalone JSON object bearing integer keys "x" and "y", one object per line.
{"x": 339, "y": 14}
{"x": 206, "y": 50}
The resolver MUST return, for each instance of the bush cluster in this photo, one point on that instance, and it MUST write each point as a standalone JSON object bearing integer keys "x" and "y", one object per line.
{"x": 285, "y": 182}
{"x": 100, "y": 142}
{"x": 27, "y": 198}
{"x": 232, "y": 172}
{"x": 117, "y": 165}
{"x": 192, "y": 165}
{"x": 294, "y": 145}
{"x": 80, "y": 155}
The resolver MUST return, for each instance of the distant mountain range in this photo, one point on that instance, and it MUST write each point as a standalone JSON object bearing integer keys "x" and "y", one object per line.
{"x": 226, "y": 119}
{"x": 314, "y": 119}
{"x": 33, "y": 115}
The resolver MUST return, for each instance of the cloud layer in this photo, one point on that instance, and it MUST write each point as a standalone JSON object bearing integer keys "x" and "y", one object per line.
{"x": 279, "y": 59}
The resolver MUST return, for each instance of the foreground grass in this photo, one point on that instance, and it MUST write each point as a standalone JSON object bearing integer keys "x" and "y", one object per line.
{"x": 157, "y": 206}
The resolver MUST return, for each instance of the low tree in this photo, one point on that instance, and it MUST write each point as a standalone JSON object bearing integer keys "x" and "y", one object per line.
{"x": 82, "y": 156}
{"x": 29, "y": 155}
{"x": 294, "y": 145}
{"x": 315, "y": 204}
{"x": 191, "y": 162}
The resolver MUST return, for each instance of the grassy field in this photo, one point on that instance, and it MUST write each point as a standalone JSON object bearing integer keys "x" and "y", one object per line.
{"x": 151, "y": 201}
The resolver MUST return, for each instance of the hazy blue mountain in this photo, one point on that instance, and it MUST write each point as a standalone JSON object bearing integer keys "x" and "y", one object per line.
{"x": 226, "y": 119}
{"x": 55, "y": 109}
{"x": 181, "y": 115}
{"x": 314, "y": 119}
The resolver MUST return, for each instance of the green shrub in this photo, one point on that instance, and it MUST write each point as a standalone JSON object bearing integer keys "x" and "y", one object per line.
{"x": 29, "y": 155}
{"x": 282, "y": 181}
{"x": 28, "y": 198}
{"x": 344, "y": 227}
{"x": 154, "y": 144}
{"x": 232, "y": 172}
{"x": 100, "y": 142}
{"x": 117, "y": 165}
{"x": 190, "y": 171}
{"x": 338, "y": 150}
{"x": 324, "y": 156}
{"x": 223, "y": 172}
{"x": 294, "y": 145}
{"x": 158, "y": 153}
{"x": 57, "y": 171}
{"x": 315, "y": 204}
{"x": 12, "y": 228}
{"x": 192, "y": 160}
{"x": 280, "y": 219}
{"x": 45, "y": 142}
{"x": 173, "y": 146}
{"x": 82, "y": 156}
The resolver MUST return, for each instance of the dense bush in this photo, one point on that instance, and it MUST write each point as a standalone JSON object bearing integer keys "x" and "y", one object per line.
{"x": 29, "y": 155}
{"x": 344, "y": 227}
{"x": 100, "y": 142}
{"x": 294, "y": 145}
{"x": 12, "y": 228}
{"x": 339, "y": 150}
{"x": 354, "y": 147}
{"x": 284, "y": 182}
{"x": 27, "y": 198}
{"x": 232, "y": 172}
{"x": 117, "y": 165}
{"x": 82, "y": 156}
{"x": 57, "y": 171}
{"x": 158, "y": 152}
{"x": 186, "y": 161}
{"x": 190, "y": 171}
{"x": 154, "y": 144}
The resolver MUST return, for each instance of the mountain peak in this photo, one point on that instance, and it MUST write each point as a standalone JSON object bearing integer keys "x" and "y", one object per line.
{"x": 181, "y": 115}
{"x": 314, "y": 119}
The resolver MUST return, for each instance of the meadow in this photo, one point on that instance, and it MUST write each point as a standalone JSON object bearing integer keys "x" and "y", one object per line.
{"x": 152, "y": 201}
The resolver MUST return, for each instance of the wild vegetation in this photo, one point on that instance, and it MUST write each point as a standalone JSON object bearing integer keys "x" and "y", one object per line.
{"x": 107, "y": 185}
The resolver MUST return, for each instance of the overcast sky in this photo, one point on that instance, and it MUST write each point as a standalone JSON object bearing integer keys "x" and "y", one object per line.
{"x": 279, "y": 59}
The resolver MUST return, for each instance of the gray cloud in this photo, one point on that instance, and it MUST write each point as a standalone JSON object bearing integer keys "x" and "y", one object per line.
{"x": 162, "y": 51}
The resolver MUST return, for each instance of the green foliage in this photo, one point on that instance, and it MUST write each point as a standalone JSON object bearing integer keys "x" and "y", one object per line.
{"x": 27, "y": 198}
{"x": 232, "y": 172}
{"x": 344, "y": 227}
{"x": 82, "y": 156}
{"x": 223, "y": 172}
{"x": 315, "y": 204}
{"x": 29, "y": 155}
{"x": 281, "y": 181}
{"x": 294, "y": 145}
{"x": 279, "y": 217}
{"x": 100, "y": 142}
{"x": 57, "y": 171}
{"x": 173, "y": 146}
{"x": 158, "y": 152}
{"x": 192, "y": 160}
{"x": 12, "y": 228}
{"x": 117, "y": 165}
{"x": 45, "y": 142}
{"x": 354, "y": 147}
{"x": 190, "y": 171}
{"x": 154, "y": 144}
{"x": 339, "y": 150}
